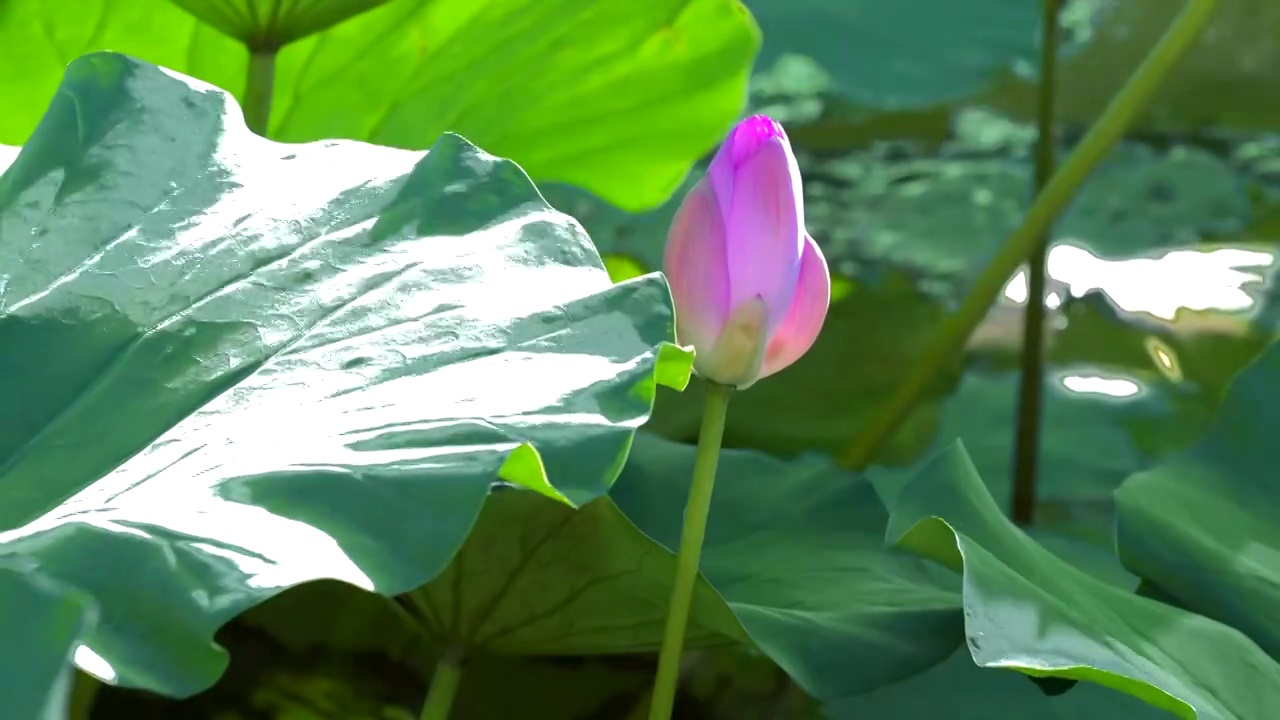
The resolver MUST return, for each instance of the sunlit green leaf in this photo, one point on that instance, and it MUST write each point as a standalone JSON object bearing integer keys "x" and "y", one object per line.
{"x": 617, "y": 97}
{"x": 231, "y": 366}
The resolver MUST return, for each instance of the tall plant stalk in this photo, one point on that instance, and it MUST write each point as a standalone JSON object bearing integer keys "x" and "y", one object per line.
{"x": 1026, "y": 448}
{"x": 1132, "y": 100}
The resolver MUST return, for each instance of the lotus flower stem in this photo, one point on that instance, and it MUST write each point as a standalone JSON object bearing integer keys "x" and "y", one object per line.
{"x": 1049, "y": 203}
{"x": 1026, "y": 449}
{"x": 259, "y": 88}
{"x": 444, "y": 687}
{"x": 690, "y": 552}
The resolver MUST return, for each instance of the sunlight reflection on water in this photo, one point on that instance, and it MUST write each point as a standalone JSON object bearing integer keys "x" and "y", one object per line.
{"x": 1160, "y": 286}
{"x": 1112, "y": 386}
{"x": 1184, "y": 279}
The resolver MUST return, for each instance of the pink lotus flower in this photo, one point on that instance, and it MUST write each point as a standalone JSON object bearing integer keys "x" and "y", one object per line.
{"x": 750, "y": 285}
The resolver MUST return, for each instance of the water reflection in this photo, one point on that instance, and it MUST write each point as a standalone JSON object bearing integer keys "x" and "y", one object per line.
{"x": 1165, "y": 292}
{"x": 1191, "y": 279}
{"x": 1099, "y": 385}
{"x": 1164, "y": 358}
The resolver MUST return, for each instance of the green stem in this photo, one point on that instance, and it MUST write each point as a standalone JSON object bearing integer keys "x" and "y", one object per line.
{"x": 1026, "y": 448}
{"x": 84, "y": 691}
{"x": 259, "y": 88}
{"x": 695, "y": 527}
{"x": 1119, "y": 115}
{"x": 444, "y": 687}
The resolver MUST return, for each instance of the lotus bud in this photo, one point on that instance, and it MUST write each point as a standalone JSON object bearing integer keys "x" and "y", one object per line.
{"x": 750, "y": 286}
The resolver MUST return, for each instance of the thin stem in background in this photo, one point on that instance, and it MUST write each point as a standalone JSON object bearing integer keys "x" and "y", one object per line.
{"x": 695, "y": 527}
{"x": 260, "y": 83}
{"x": 1026, "y": 448}
{"x": 1115, "y": 121}
{"x": 444, "y": 687}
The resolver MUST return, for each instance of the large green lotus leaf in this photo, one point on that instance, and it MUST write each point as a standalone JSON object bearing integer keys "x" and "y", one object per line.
{"x": 959, "y": 690}
{"x": 42, "y": 623}
{"x": 617, "y": 97}
{"x": 1204, "y": 525}
{"x": 797, "y": 550}
{"x": 265, "y": 25}
{"x": 231, "y": 366}
{"x": 1030, "y": 611}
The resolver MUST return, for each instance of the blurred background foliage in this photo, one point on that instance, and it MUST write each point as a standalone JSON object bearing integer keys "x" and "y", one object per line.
{"x": 911, "y": 121}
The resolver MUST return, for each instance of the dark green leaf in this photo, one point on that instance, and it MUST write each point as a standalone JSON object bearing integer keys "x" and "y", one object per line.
{"x": 536, "y": 577}
{"x": 959, "y": 690}
{"x": 41, "y": 623}
{"x": 1030, "y": 611}
{"x": 797, "y": 550}
{"x": 232, "y": 366}
{"x": 1204, "y": 525}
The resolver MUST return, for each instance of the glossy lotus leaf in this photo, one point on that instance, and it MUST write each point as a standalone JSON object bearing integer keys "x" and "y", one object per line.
{"x": 1028, "y": 610}
{"x": 617, "y": 97}
{"x": 269, "y": 24}
{"x": 959, "y": 690}
{"x": 797, "y": 550}
{"x": 1204, "y": 525}
{"x": 41, "y": 622}
{"x": 233, "y": 365}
